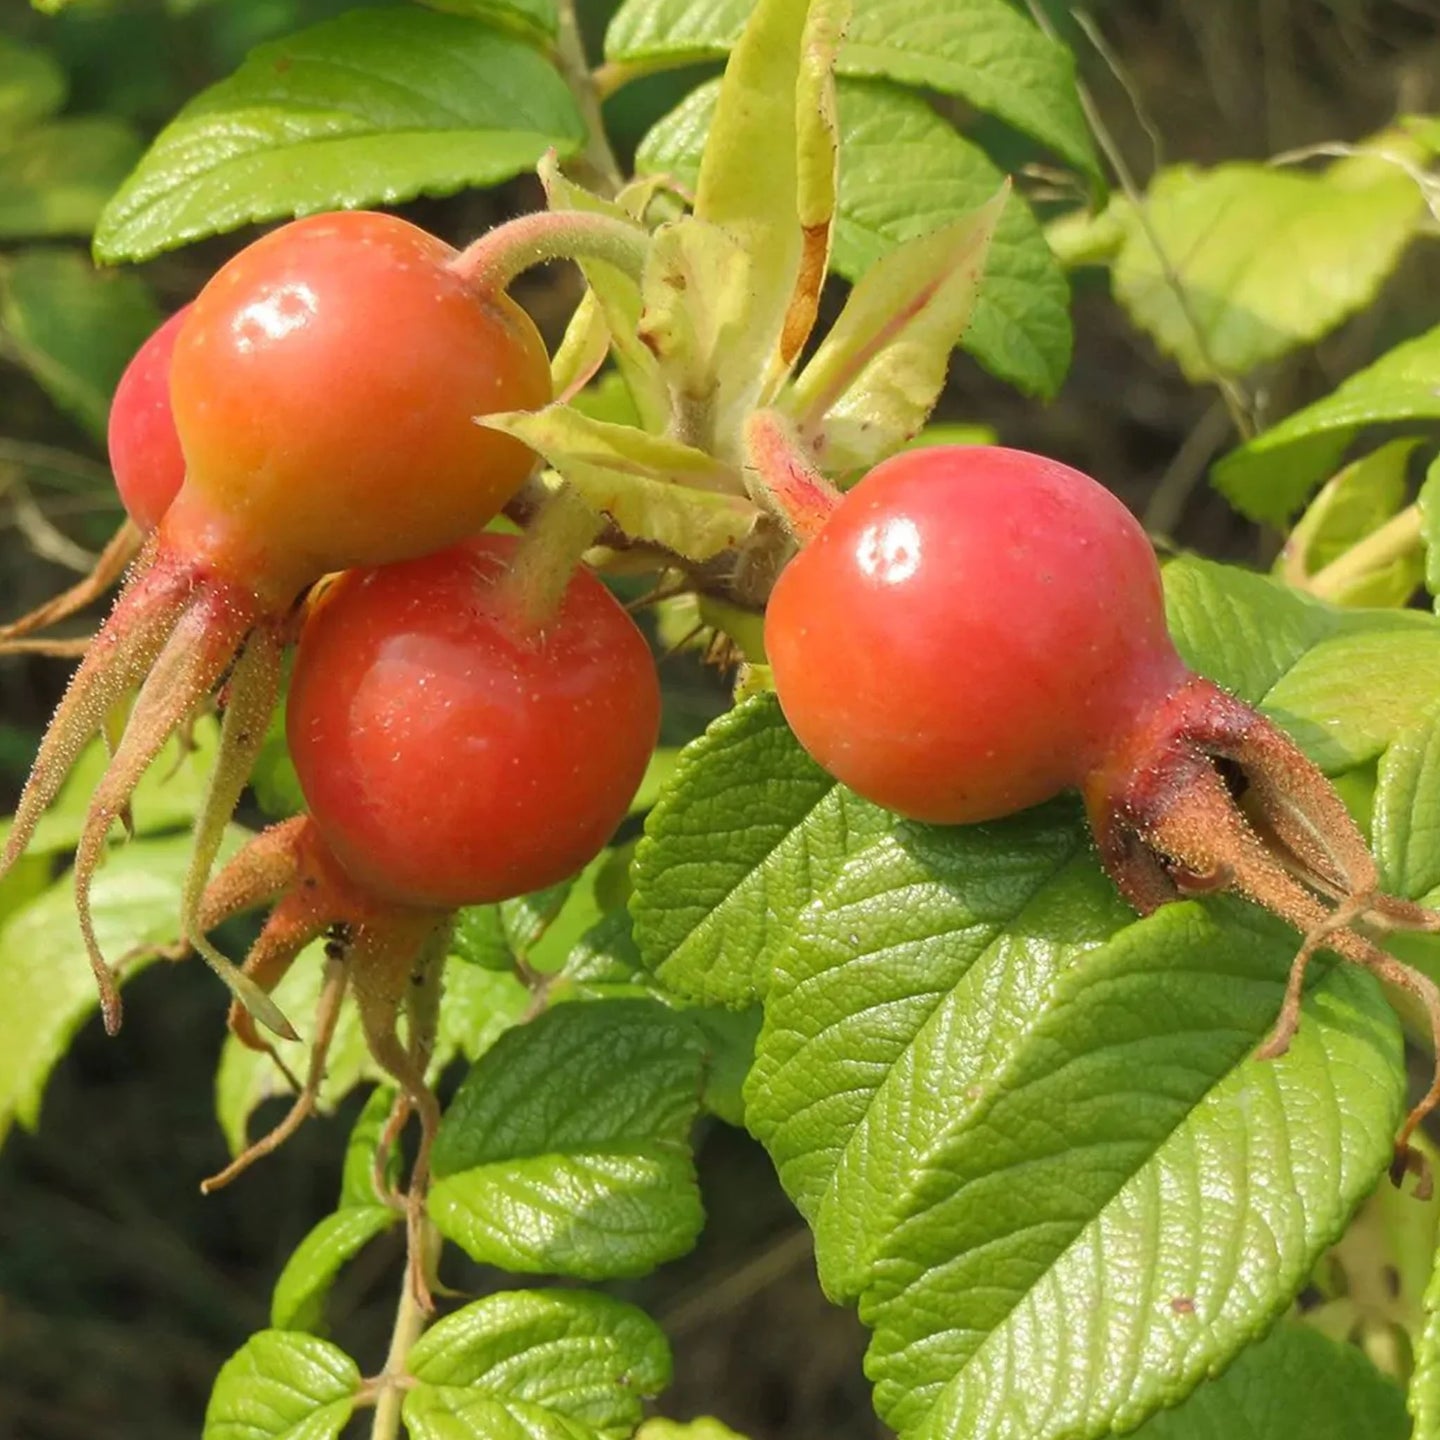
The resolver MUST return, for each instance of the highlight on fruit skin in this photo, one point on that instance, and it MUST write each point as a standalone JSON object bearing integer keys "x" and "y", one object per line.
{"x": 324, "y": 386}
{"x": 976, "y": 629}
{"x": 453, "y": 751}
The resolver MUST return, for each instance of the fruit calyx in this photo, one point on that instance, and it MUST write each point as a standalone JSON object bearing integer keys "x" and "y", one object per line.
{"x": 1206, "y": 795}
{"x": 387, "y": 955}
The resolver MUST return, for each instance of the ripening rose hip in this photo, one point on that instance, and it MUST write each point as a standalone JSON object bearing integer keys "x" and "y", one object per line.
{"x": 975, "y": 629}
{"x": 449, "y": 755}
{"x": 325, "y": 386}
{"x": 141, "y": 438}
{"x": 452, "y": 752}
{"x": 969, "y": 633}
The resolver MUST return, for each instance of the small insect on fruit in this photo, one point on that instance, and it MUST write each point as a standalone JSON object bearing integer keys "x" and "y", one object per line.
{"x": 324, "y": 386}
{"x": 975, "y": 629}
{"x": 453, "y": 751}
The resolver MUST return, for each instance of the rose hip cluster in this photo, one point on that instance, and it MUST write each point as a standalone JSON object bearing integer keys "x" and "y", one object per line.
{"x": 314, "y": 411}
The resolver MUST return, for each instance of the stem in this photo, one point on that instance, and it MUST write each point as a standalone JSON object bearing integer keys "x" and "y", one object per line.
{"x": 1394, "y": 540}
{"x": 789, "y": 486}
{"x": 598, "y": 158}
{"x": 497, "y": 257}
{"x": 532, "y": 588}
{"x": 410, "y": 1320}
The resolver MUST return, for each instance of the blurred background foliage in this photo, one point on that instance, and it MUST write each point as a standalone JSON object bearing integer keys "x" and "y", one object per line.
{"x": 121, "y": 1289}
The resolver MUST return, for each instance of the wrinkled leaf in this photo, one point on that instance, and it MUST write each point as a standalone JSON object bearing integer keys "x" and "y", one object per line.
{"x": 746, "y": 827}
{"x": 566, "y": 1149}
{"x": 1246, "y": 631}
{"x": 371, "y": 108}
{"x": 1268, "y": 478}
{"x": 281, "y": 1385}
{"x": 1353, "y": 695}
{"x": 563, "y": 1355}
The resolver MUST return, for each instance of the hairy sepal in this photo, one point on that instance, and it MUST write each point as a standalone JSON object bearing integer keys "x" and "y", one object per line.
{"x": 746, "y": 269}
{"x": 875, "y": 378}
{"x": 655, "y": 489}
{"x": 616, "y": 296}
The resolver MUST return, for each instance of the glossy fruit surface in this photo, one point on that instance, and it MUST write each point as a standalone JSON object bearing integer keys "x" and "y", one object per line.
{"x": 325, "y": 389}
{"x": 451, "y": 758}
{"x": 141, "y": 438}
{"x": 969, "y": 633}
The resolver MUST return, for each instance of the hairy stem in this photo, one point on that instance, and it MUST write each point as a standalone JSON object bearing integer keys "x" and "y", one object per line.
{"x": 497, "y": 257}
{"x": 532, "y": 588}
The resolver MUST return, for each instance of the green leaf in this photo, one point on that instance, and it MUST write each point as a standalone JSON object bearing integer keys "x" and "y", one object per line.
{"x": 1268, "y": 478}
{"x": 655, "y": 489}
{"x": 74, "y": 328}
{"x": 1425, "y": 1381}
{"x": 1246, "y": 631}
{"x": 876, "y": 376}
{"x": 1406, "y": 817}
{"x": 479, "y": 939}
{"x": 283, "y": 1386}
{"x": 533, "y": 19}
{"x": 298, "y": 1302}
{"x": 443, "y": 1413}
{"x": 357, "y": 1179}
{"x": 1268, "y": 260}
{"x": 1020, "y": 329}
{"x": 1295, "y": 1382}
{"x": 32, "y": 85}
{"x": 1356, "y": 503}
{"x": 566, "y": 1150}
{"x": 45, "y": 979}
{"x": 1353, "y": 695}
{"x": 371, "y": 108}
{"x": 55, "y": 179}
{"x": 1147, "y": 1144}
{"x": 982, "y": 50}
{"x": 744, "y": 831}
{"x": 570, "y": 1355}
